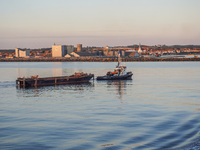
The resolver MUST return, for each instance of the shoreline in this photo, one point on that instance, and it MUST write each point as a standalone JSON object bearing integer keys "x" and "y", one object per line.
{"x": 93, "y": 59}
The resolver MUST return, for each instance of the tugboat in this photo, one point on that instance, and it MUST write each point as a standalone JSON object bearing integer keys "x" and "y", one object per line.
{"x": 119, "y": 73}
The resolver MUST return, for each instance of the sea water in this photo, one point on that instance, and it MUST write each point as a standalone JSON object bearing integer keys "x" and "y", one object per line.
{"x": 158, "y": 109}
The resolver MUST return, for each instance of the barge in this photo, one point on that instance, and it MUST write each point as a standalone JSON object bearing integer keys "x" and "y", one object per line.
{"x": 34, "y": 81}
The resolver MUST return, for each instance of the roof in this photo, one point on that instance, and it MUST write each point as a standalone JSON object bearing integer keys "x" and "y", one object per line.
{"x": 85, "y": 54}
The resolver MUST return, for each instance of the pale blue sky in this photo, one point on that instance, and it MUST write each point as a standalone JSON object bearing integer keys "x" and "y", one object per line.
{"x": 41, "y": 23}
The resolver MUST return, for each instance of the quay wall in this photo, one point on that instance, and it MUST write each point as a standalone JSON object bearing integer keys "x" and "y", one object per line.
{"x": 93, "y": 59}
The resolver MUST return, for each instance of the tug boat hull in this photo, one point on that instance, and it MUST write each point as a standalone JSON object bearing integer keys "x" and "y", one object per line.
{"x": 127, "y": 76}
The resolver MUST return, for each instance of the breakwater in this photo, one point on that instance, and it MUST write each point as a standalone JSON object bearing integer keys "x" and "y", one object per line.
{"x": 93, "y": 59}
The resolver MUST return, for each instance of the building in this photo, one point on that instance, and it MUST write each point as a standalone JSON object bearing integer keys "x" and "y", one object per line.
{"x": 140, "y": 49}
{"x": 79, "y": 47}
{"x": 114, "y": 52}
{"x": 130, "y": 53}
{"x": 61, "y": 50}
{"x": 22, "y": 52}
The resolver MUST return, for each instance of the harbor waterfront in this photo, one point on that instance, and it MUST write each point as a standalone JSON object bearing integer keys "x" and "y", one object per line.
{"x": 158, "y": 109}
{"x": 95, "y": 59}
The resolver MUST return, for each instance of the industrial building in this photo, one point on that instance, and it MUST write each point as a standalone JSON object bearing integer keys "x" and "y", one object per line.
{"x": 79, "y": 47}
{"x": 61, "y": 50}
{"x": 22, "y": 52}
{"x": 132, "y": 53}
{"x": 113, "y": 52}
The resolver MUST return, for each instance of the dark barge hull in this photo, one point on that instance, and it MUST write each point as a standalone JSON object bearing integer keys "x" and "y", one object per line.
{"x": 34, "y": 82}
{"x": 121, "y": 77}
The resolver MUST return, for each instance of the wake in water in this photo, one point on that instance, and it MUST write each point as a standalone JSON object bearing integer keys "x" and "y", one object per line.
{"x": 192, "y": 146}
{"x": 7, "y": 84}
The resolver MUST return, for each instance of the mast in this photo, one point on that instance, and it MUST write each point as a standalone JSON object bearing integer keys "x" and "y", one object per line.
{"x": 119, "y": 59}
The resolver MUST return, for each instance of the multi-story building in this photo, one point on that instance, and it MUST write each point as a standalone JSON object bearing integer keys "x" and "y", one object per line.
{"x": 22, "y": 52}
{"x": 61, "y": 50}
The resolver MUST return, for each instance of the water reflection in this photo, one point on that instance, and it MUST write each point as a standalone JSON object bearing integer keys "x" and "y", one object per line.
{"x": 57, "y": 72}
{"x": 119, "y": 86}
{"x": 53, "y": 91}
{"x": 159, "y": 111}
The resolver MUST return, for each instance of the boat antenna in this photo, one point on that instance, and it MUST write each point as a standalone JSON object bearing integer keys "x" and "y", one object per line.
{"x": 119, "y": 59}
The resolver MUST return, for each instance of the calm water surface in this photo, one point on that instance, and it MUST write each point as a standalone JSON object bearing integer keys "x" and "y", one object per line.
{"x": 158, "y": 109}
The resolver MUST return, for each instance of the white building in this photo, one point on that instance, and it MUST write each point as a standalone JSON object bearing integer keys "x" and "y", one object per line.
{"x": 22, "y": 52}
{"x": 61, "y": 50}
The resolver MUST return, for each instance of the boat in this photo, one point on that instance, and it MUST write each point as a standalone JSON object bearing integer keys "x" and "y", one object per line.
{"x": 35, "y": 81}
{"x": 119, "y": 73}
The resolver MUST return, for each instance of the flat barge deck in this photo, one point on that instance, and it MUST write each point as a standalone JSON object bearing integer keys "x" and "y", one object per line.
{"x": 34, "y": 81}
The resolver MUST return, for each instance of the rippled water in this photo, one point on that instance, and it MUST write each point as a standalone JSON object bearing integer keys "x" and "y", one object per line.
{"x": 158, "y": 109}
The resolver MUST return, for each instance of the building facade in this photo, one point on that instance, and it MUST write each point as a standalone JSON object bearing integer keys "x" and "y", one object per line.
{"x": 79, "y": 47}
{"x": 61, "y": 50}
{"x": 22, "y": 52}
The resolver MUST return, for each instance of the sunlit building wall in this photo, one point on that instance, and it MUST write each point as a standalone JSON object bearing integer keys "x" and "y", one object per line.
{"x": 61, "y": 50}
{"x": 79, "y": 47}
{"x": 21, "y": 52}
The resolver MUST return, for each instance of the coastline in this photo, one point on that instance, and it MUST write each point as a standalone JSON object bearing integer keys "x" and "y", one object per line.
{"x": 93, "y": 59}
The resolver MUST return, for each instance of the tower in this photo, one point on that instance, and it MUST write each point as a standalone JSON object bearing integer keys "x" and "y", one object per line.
{"x": 79, "y": 47}
{"x": 140, "y": 49}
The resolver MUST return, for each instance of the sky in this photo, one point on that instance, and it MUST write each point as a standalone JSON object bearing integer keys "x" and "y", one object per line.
{"x": 41, "y": 23}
